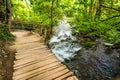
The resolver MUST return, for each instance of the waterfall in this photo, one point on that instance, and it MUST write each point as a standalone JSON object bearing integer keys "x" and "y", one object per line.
{"x": 63, "y": 44}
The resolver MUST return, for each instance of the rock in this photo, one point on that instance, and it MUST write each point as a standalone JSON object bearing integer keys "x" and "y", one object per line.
{"x": 95, "y": 64}
{"x": 88, "y": 44}
{"x": 108, "y": 44}
{"x": 116, "y": 45}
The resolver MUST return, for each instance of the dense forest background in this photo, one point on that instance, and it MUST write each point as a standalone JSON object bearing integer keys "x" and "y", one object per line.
{"x": 94, "y": 18}
{"x": 91, "y": 19}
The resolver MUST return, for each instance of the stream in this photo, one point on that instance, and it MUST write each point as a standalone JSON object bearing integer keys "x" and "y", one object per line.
{"x": 99, "y": 62}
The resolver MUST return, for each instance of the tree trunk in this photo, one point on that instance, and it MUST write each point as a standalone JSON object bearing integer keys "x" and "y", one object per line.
{"x": 99, "y": 9}
{"x": 91, "y": 10}
{"x": 8, "y": 13}
{"x": 51, "y": 25}
{"x": 5, "y": 12}
{"x": 2, "y": 11}
{"x": 112, "y": 4}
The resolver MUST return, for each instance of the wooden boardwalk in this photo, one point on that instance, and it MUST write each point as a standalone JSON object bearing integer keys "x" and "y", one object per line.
{"x": 35, "y": 61}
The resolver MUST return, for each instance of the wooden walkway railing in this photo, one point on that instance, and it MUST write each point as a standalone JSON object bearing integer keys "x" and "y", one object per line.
{"x": 35, "y": 61}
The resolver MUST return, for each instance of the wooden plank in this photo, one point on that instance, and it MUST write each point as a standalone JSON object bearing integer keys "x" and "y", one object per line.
{"x": 22, "y": 50}
{"x": 23, "y": 63}
{"x": 47, "y": 73}
{"x": 55, "y": 75}
{"x": 35, "y": 52}
{"x": 38, "y": 71}
{"x": 31, "y": 55}
{"x": 34, "y": 66}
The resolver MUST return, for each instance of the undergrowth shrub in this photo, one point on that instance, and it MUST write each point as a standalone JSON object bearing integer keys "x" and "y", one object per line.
{"x": 5, "y": 35}
{"x": 105, "y": 30}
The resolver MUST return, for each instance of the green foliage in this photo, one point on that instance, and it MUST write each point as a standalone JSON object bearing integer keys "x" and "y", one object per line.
{"x": 22, "y": 11}
{"x": 37, "y": 12}
{"x": 113, "y": 35}
{"x": 92, "y": 17}
{"x": 43, "y": 9}
{"x": 105, "y": 26}
{"x": 5, "y": 34}
{"x": 98, "y": 29}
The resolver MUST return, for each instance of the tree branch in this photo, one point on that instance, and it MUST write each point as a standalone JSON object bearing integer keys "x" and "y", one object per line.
{"x": 111, "y": 18}
{"x": 111, "y": 8}
{"x": 116, "y": 23}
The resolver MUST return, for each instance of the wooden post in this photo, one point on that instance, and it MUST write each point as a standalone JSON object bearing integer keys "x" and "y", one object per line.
{"x": 41, "y": 30}
{"x": 45, "y": 35}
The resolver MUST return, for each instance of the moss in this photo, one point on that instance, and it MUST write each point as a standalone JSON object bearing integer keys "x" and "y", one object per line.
{"x": 5, "y": 35}
{"x": 88, "y": 44}
{"x": 116, "y": 45}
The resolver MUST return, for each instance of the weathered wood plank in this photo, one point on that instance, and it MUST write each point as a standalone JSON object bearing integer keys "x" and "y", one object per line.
{"x": 47, "y": 73}
{"x": 38, "y": 71}
{"x": 31, "y": 60}
{"x": 34, "y": 66}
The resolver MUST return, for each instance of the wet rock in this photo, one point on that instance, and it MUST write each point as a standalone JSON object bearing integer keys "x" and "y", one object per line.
{"x": 88, "y": 44}
{"x": 108, "y": 44}
{"x": 116, "y": 45}
{"x": 95, "y": 64}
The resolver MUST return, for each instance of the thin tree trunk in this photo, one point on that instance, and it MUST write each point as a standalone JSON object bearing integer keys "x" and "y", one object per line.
{"x": 28, "y": 7}
{"x": 8, "y": 13}
{"x": 99, "y": 9}
{"x": 51, "y": 26}
{"x": 85, "y": 8}
{"x": 91, "y": 10}
{"x": 2, "y": 11}
{"x": 112, "y": 4}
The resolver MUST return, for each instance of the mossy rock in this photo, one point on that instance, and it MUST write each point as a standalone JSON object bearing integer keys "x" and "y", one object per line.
{"x": 109, "y": 51}
{"x": 88, "y": 44}
{"x": 116, "y": 45}
{"x": 5, "y": 35}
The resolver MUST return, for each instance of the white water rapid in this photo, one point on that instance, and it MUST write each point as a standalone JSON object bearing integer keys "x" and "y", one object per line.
{"x": 63, "y": 44}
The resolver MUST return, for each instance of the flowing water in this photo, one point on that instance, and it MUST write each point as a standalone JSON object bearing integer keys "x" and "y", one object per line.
{"x": 99, "y": 62}
{"x": 63, "y": 44}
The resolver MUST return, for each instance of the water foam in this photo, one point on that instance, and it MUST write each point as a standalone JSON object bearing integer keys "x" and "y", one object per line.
{"x": 63, "y": 44}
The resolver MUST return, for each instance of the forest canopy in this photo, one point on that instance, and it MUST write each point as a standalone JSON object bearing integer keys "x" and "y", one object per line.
{"x": 95, "y": 18}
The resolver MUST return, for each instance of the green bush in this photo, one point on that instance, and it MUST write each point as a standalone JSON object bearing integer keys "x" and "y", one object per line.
{"x": 5, "y": 34}
{"x": 100, "y": 29}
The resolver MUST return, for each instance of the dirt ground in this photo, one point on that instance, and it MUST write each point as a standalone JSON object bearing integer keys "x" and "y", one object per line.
{"x": 7, "y": 56}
